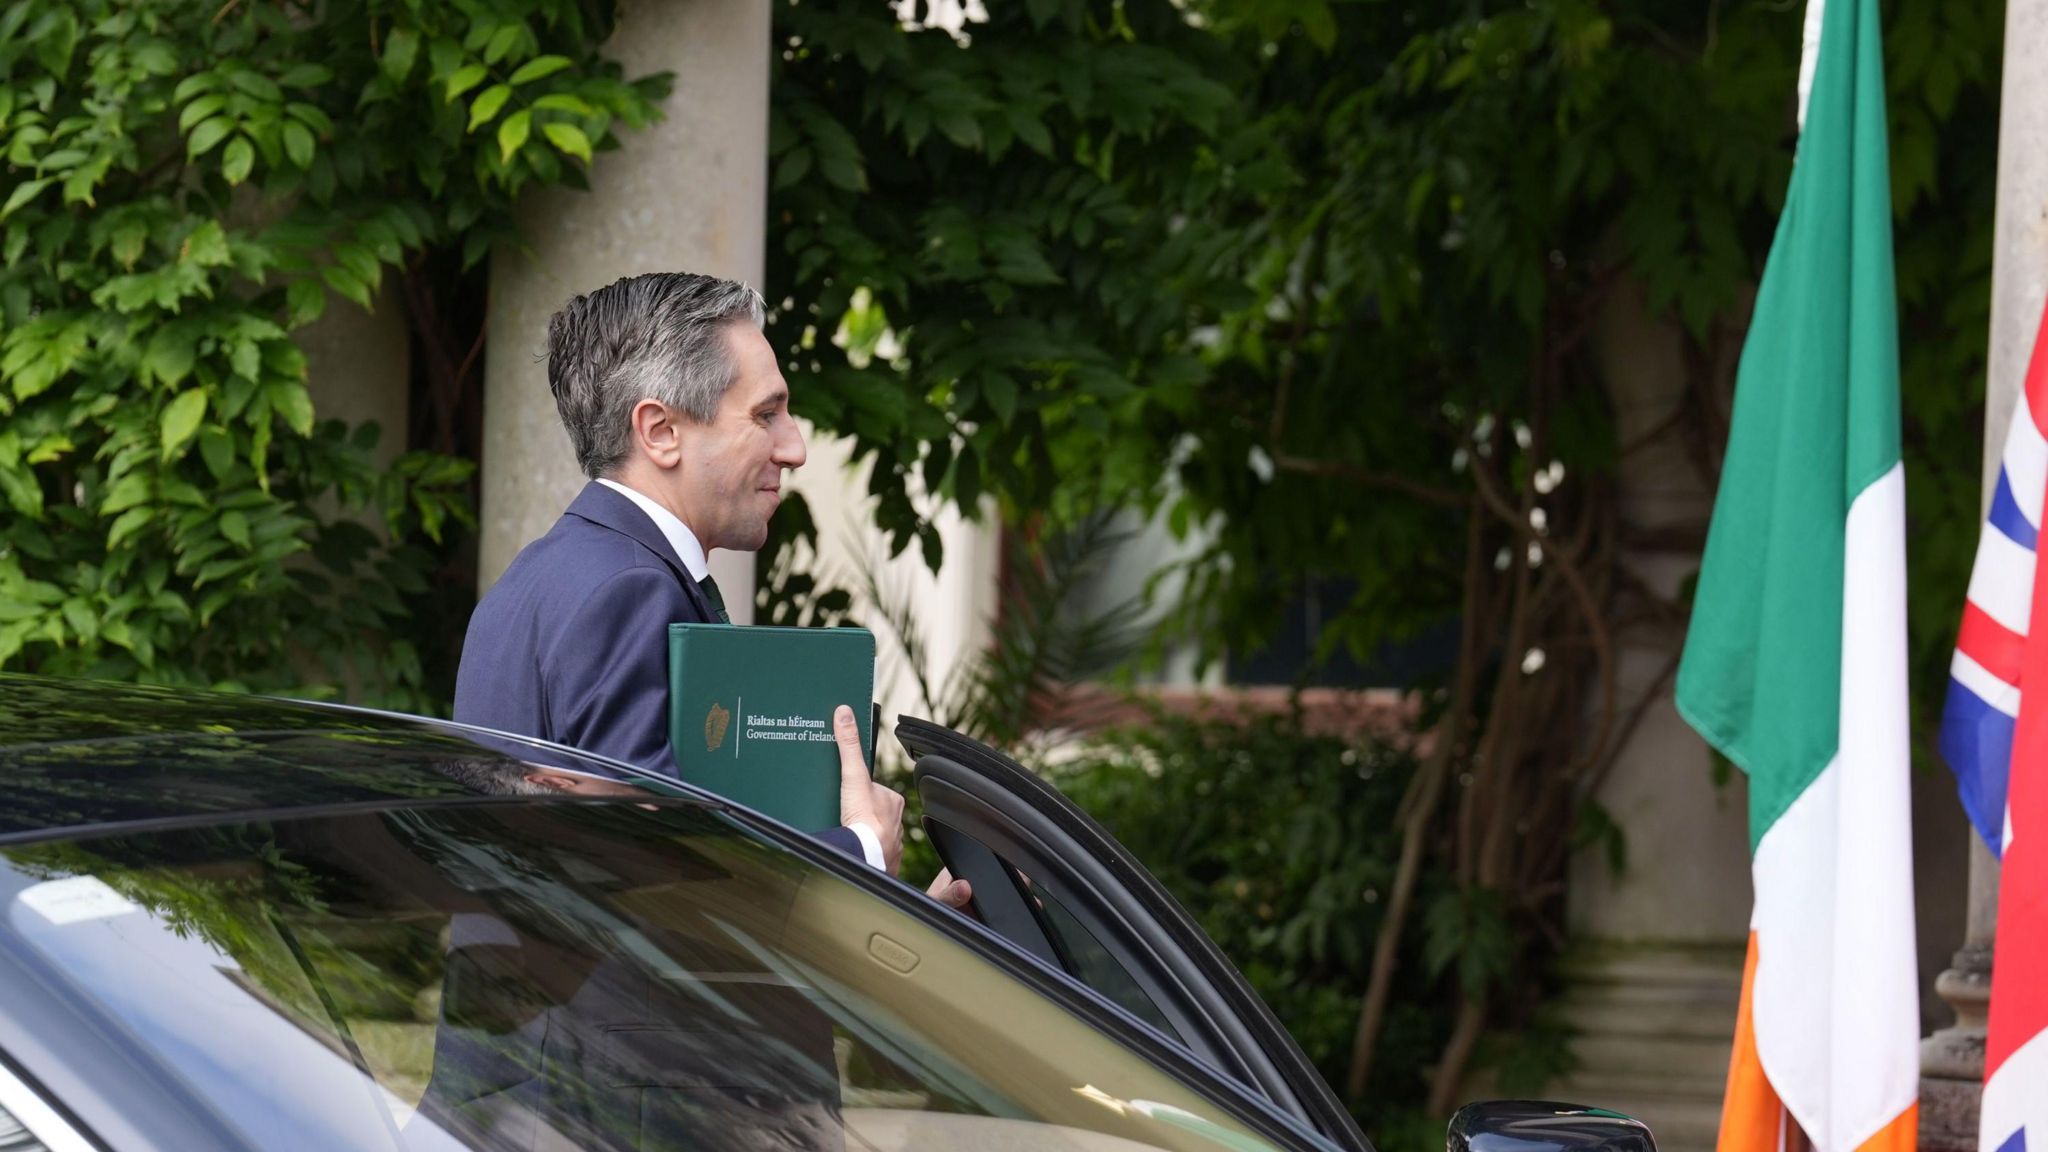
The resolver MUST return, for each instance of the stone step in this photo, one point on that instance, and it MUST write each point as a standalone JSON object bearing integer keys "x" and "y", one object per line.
{"x": 1708, "y": 1016}
{"x": 1693, "y": 1061}
{"x": 1653, "y": 967}
{"x": 1681, "y": 1124}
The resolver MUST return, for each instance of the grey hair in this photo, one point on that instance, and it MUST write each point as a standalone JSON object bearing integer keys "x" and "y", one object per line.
{"x": 493, "y": 777}
{"x": 653, "y": 337}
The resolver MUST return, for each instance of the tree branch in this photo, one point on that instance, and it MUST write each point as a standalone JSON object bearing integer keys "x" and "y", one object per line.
{"x": 1345, "y": 470}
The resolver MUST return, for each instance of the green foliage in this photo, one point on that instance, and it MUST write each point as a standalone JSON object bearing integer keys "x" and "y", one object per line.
{"x": 1270, "y": 263}
{"x": 1335, "y": 285}
{"x": 1027, "y": 216}
{"x": 1466, "y": 933}
{"x": 187, "y": 183}
{"x": 1282, "y": 846}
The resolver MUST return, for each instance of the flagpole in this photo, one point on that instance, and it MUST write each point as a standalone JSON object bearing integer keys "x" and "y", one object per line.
{"x": 1952, "y": 1060}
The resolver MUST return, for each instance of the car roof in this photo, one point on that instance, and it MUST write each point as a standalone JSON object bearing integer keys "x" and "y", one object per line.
{"x": 80, "y": 755}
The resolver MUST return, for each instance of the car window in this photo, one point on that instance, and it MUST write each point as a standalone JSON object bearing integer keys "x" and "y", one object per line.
{"x": 1086, "y": 960}
{"x": 559, "y": 975}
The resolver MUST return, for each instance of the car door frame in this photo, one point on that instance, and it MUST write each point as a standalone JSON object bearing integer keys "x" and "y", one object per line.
{"x": 1038, "y": 831}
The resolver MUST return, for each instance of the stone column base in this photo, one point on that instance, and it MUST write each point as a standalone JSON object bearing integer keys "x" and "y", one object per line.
{"x": 1952, "y": 1060}
{"x": 1655, "y": 1026}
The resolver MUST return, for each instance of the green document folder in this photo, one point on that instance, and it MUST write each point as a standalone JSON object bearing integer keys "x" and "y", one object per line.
{"x": 750, "y": 713}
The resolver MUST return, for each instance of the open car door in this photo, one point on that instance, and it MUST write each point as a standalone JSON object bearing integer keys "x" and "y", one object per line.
{"x": 1051, "y": 880}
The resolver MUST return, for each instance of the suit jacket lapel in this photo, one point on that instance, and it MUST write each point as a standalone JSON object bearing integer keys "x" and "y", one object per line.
{"x": 607, "y": 509}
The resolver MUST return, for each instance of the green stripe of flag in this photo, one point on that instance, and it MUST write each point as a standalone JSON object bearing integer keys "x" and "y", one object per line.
{"x": 1816, "y": 421}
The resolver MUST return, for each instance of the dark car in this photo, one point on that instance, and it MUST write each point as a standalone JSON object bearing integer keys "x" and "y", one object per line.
{"x": 238, "y": 923}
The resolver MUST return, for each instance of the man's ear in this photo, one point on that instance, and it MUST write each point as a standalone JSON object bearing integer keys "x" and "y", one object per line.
{"x": 656, "y": 434}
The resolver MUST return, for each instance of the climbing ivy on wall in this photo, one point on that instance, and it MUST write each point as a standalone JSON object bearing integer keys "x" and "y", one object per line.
{"x": 181, "y": 186}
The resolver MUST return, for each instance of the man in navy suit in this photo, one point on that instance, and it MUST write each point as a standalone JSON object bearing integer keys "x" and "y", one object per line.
{"x": 679, "y": 415}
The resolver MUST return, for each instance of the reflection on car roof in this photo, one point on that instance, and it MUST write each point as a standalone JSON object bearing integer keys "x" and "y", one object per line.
{"x": 78, "y": 755}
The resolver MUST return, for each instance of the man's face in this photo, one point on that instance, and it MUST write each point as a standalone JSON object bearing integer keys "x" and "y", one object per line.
{"x": 730, "y": 478}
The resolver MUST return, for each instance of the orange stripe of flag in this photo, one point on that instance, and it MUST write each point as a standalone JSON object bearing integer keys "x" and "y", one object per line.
{"x": 1751, "y": 1114}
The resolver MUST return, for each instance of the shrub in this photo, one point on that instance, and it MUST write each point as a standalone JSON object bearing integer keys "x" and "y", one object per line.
{"x": 185, "y": 184}
{"x": 1280, "y": 845}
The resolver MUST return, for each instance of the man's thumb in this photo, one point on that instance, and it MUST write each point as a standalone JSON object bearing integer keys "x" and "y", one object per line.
{"x": 855, "y": 798}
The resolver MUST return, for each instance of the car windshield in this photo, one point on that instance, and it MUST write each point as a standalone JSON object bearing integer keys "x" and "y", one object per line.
{"x": 566, "y": 975}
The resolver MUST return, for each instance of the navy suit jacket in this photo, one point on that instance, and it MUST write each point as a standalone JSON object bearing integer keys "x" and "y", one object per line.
{"x": 571, "y": 643}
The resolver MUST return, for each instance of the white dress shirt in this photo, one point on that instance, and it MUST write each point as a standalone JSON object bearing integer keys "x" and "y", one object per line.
{"x": 691, "y": 553}
{"x": 677, "y": 533}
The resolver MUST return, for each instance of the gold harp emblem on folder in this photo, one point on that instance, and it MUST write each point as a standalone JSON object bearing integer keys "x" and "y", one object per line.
{"x": 715, "y": 723}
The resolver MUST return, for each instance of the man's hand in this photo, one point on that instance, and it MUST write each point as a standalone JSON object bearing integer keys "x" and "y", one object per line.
{"x": 861, "y": 800}
{"x": 950, "y": 892}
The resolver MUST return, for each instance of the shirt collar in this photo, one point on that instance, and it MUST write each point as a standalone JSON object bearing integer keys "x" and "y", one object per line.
{"x": 677, "y": 533}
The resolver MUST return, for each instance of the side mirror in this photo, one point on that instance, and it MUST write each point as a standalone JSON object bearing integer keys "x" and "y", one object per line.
{"x": 1543, "y": 1126}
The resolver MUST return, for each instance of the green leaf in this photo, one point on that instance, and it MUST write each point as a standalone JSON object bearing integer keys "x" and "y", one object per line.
{"x": 204, "y": 137}
{"x": 246, "y": 359}
{"x": 293, "y": 402}
{"x": 539, "y": 68}
{"x": 401, "y": 47}
{"x": 170, "y": 354}
{"x": 239, "y": 158}
{"x": 258, "y": 85}
{"x": 235, "y": 527}
{"x": 1001, "y": 392}
{"x": 298, "y": 144}
{"x": 127, "y": 492}
{"x": 1032, "y": 131}
{"x": 217, "y": 449}
{"x": 192, "y": 86}
{"x": 312, "y": 117}
{"x": 792, "y": 168}
{"x": 24, "y": 193}
{"x": 569, "y": 138}
{"x": 127, "y": 524}
{"x": 347, "y": 284}
{"x": 181, "y": 420}
{"x": 465, "y": 78}
{"x": 79, "y": 615}
{"x": 199, "y": 110}
{"x": 563, "y": 102}
{"x": 502, "y": 43}
{"x": 305, "y": 300}
{"x": 306, "y": 76}
{"x": 486, "y": 106}
{"x": 206, "y": 247}
{"x": 513, "y": 132}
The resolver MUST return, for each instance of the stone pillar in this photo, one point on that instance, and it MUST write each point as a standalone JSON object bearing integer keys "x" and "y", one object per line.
{"x": 1654, "y": 973}
{"x": 359, "y": 367}
{"x": 689, "y": 193}
{"x": 1952, "y": 1060}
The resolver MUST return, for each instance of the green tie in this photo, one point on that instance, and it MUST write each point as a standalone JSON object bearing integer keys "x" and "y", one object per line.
{"x": 710, "y": 588}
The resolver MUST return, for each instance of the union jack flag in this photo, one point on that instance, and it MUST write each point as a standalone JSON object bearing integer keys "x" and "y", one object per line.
{"x": 1995, "y": 737}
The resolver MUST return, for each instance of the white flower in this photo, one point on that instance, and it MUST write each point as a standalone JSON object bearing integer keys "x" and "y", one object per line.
{"x": 1260, "y": 463}
{"x": 1539, "y": 519}
{"x": 1535, "y": 554}
{"x": 1523, "y": 436}
{"x": 1532, "y": 661}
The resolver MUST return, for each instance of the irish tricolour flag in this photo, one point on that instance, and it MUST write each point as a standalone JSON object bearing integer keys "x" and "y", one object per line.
{"x": 1795, "y": 664}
